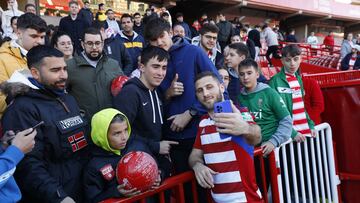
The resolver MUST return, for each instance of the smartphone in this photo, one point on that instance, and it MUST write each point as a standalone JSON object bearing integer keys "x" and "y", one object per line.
{"x": 223, "y": 107}
{"x": 36, "y": 126}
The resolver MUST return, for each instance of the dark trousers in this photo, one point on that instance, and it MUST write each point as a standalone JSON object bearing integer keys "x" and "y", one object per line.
{"x": 272, "y": 50}
{"x": 180, "y": 158}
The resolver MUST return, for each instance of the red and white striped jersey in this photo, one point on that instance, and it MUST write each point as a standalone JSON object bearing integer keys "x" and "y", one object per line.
{"x": 232, "y": 158}
{"x": 300, "y": 122}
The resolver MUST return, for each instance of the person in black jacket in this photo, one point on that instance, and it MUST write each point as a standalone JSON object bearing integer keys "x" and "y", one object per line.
{"x": 249, "y": 43}
{"x": 352, "y": 60}
{"x": 74, "y": 25}
{"x": 52, "y": 171}
{"x": 110, "y": 133}
{"x": 225, "y": 31}
{"x": 291, "y": 37}
{"x": 138, "y": 24}
{"x": 86, "y": 14}
{"x": 141, "y": 102}
{"x": 254, "y": 35}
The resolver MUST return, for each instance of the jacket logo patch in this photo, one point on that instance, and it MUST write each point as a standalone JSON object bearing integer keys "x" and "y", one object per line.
{"x": 108, "y": 172}
{"x": 77, "y": 141}
{"x": 71, "y": 122}
{"x": 284, "y": 90}
{"x": 133, "y": 45}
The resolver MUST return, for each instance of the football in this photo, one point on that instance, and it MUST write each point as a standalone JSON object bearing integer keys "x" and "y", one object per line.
{"x": 137, "y": 170}
{"x": 117, "y": 84}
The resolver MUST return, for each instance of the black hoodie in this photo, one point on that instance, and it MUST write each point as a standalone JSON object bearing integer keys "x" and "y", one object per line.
{"x": 143, "y": 108}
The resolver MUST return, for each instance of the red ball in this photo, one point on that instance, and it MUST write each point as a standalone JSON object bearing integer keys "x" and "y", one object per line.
{"x": 137, "y": 170}
{"x": 117, "y": 84}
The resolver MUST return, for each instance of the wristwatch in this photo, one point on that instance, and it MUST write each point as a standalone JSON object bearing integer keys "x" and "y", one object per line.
{"x": 193, "y": 112}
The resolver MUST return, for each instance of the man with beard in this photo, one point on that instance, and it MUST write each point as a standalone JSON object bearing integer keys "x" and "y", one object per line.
{"x": 222, "y": 155}
{"x": 91, "y": 73}
{"x": 133, "y": 42}
{"x": 208, "y": 40}
{"x": 52, "y": 171}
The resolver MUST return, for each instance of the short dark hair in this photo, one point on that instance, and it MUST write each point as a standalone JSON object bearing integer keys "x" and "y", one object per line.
{"x": 241, "y": 49}
{"x": 118, "y": 118}
{"x": 36, "y": 55}
{"x": 101, "y": 4}
{"x": 206, "y": 74}
{"x": 86, "y": 2}
{"x": 249, "y": 62}
{"x": 30, "y": 20}
{"x": 209, "y": 28}
{"x": 163, "y": 14}
{"x": 179, "y": 14}
{"x": 291, "y": 50}
{"x": 56, "y": 36}
{"x": 126, "y": 15}
{"x": 73, "y": 2}
{"x": 29, "y": 5}
{"x": 13, "y": 18}
{"x": 92, "y": 31}
{"x": 136, "y": 14}
{"x": 155, "y": 28}
{"x": 107, "y": 11}
{"x": 152, "y": 52}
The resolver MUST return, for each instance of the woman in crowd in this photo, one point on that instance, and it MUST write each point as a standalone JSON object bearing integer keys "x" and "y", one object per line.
{"x": 62, "y": 41}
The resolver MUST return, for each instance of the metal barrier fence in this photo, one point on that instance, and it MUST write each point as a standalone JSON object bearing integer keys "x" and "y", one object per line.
{"x": 299, "y": 172}
{"x": 308, "y": 169}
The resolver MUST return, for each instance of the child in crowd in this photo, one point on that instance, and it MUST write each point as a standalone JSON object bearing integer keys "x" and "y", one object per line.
{"x": 290, "y": 87}
{"x": 266, "y": 105}
{"x": 110, "y": 133}
{"x": 224, "y": 74}
{"x": 235, "y": 39}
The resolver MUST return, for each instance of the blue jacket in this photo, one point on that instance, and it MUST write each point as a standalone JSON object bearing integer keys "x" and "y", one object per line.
{"x": 115, "y": 49}
{"x": 345, "y": 62}
{"x": 134, "y": 47}
{"x": 186, "y": 60}
{"x": 9, "y": 191}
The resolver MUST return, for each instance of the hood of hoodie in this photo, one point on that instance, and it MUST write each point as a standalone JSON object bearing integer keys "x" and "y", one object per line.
{"x": 122, "y": 35}
{"x": 151, "y": 95}
{"x": 259, "y": 87}
{"x": 100, "y": 124}
{"x": 178, "y": 43}
{"x": 18, "y": 84}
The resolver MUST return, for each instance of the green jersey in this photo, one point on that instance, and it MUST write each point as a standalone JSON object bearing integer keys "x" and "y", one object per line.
{"x": 267, "y": 107}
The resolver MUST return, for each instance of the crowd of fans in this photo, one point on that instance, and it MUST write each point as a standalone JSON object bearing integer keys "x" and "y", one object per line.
{"x": 62, "y": 76}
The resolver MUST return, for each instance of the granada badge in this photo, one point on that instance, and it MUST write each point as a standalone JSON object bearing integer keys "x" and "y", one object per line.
{"x": 108, "y": 172}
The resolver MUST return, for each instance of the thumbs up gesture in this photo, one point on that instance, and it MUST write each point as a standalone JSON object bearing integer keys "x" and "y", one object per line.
{"x": 176, "y": 88}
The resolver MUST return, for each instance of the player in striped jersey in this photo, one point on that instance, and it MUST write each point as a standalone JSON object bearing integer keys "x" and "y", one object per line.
{"x": 224, "y": 163}
{"x": 289, "y": 85}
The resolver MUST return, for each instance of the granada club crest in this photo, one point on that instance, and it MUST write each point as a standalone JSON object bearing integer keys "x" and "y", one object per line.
{"x": 108, "y": 172}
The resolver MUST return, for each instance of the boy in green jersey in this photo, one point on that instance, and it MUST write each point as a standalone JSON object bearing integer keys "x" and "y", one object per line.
{"x": 266, "y": 105}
